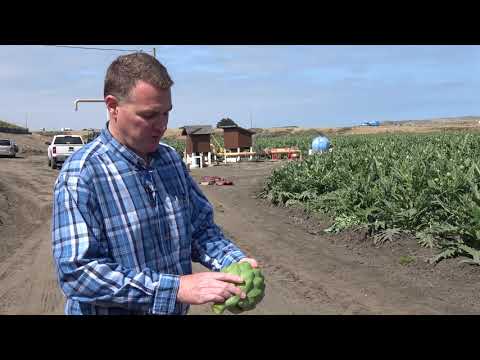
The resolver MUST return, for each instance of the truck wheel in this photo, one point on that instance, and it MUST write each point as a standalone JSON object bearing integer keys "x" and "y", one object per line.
{"x": 54, "y": 164}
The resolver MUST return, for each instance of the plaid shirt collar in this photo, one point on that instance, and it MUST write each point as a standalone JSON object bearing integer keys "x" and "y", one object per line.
{"x": 126, "y": 152}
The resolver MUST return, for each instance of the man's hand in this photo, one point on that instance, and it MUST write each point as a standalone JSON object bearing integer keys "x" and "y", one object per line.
{"x": 205, "y": 287}
{"x": 251, "y": 261}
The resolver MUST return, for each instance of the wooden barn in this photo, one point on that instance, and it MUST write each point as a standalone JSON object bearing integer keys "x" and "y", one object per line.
{"x": 238, "y": 140}
{"x": 197, "y": 145}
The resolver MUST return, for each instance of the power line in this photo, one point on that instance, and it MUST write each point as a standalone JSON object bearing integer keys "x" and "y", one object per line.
{"x": 94, "y": 48}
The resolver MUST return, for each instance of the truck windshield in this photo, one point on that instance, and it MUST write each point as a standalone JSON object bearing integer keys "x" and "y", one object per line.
{"x": 4, "y": 142}
{"x": 68, "y": 140}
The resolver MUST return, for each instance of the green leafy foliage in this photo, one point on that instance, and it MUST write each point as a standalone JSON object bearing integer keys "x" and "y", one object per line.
{"x": 177, "y": 144}
{"x": 386, "y": 235}
{"x": 424, "y": 184}
{"x": 226, "y": 122}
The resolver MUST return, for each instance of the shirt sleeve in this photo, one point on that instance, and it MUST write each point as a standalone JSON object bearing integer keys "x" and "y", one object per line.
{"x": 85, "y": 271}
{"x": 209, "y": 246}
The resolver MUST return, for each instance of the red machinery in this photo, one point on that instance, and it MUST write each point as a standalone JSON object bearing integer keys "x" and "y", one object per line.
{"x": 276, "y": 153}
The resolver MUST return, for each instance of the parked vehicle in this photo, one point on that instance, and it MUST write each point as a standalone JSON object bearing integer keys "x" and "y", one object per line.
{"x": 61, "y": 147}
{"x": 8, "y": 147}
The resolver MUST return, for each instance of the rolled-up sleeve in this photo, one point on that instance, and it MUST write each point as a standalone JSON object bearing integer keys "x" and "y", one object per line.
{"x": 85, "y": 270}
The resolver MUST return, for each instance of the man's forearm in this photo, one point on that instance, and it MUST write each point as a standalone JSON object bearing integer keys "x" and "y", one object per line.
{"x": 111, "y": 286}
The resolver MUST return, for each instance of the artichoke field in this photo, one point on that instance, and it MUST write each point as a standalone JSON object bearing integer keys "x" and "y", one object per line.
{"x": 426, "y": 185}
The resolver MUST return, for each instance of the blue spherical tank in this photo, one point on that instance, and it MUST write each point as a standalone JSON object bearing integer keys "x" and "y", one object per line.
{"x": 320, "y": 143}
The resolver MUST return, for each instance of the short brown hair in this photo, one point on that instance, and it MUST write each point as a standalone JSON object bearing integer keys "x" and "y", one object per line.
{"x": 124, "y": 72}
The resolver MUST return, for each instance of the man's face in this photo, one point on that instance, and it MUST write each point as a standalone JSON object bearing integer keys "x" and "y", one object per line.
{"x": 141, "y": 120}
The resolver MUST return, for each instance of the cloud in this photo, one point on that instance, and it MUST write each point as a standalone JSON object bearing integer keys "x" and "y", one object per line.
{"x": 304, "y": 85}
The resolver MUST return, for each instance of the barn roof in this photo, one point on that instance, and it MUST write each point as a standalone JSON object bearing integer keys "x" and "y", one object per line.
{"x": 237, "y": 128}
{"x": 197, "y": 130}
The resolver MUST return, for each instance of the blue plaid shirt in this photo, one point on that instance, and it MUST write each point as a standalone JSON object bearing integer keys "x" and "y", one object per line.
{"x": 124, "y": 231}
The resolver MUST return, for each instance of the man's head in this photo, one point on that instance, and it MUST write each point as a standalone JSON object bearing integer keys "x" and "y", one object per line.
{"x": 138, "y": 98}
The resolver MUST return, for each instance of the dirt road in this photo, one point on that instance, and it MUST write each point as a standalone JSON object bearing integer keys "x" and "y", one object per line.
{"x": 310, "y": 272}
{"x": 307, "y": 271}
{"x": 27, "y": 281}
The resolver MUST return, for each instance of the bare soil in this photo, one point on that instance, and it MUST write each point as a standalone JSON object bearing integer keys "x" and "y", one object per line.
{"x": 27, "y": 281}
{"x": 307, "y": 271}
{"x": 311, "y": 272}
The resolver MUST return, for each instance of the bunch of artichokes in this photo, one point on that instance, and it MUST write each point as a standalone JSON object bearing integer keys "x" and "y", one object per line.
{"x": 253, "y": 286}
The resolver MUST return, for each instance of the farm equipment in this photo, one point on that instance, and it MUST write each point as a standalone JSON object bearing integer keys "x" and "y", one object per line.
{"x": 292, "y": 153}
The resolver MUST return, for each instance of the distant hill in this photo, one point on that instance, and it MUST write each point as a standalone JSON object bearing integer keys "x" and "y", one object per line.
{"x": 459, "y": 119}
{"x": 4, "y": 124}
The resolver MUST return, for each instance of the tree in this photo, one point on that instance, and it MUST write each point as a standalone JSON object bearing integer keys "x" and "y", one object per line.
{"x": 226, "y": 122}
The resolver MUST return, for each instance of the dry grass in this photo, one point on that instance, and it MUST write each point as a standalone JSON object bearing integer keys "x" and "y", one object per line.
{"x": 435, "y": 125}
{"x": 420, "y": 126}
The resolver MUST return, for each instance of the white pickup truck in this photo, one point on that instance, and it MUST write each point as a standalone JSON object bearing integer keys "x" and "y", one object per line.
{"x": 61, "y": 147}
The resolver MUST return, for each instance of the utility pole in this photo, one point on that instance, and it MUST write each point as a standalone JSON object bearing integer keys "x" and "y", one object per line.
{"x": 26, "y": 120}
{"x": 154, "y": 53}
{"x": 251, "y": 123}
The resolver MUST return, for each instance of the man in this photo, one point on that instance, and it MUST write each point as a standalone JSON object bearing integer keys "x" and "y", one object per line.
{"x": 128, "y": 219}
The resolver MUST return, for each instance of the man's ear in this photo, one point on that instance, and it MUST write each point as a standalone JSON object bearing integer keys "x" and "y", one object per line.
{"x": 112, "y": 105}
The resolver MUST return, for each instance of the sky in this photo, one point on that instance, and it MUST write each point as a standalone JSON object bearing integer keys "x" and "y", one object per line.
{"x": 259, "y": 85}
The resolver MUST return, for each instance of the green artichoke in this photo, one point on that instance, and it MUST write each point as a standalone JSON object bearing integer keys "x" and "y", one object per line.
{"x": 253, "y": 286}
